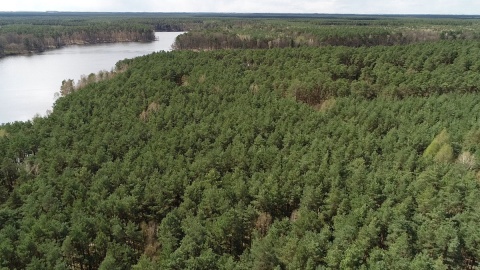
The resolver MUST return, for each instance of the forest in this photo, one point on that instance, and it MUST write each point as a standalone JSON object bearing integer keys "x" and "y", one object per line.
{"x": 33, "y": 32}
{"x": 320, "y": 156}
{"x": 324, "y": 30}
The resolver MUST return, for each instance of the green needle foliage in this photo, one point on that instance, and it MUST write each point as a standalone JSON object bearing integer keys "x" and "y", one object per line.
{"x": 294, "y": 158}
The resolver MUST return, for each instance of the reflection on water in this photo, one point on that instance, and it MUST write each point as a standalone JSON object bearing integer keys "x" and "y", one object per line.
{"x": 28, "y": 83}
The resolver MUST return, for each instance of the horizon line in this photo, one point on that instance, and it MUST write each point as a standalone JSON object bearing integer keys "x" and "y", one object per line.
{"x": 247, "y": 13}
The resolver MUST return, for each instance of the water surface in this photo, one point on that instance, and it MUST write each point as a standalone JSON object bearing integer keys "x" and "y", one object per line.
{"x": 28, "y": 83}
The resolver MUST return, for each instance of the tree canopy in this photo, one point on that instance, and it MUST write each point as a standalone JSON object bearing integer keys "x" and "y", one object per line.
{"x": 335, "y": 157}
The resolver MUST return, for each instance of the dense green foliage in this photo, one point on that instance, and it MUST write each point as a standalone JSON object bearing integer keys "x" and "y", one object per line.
{"x": 207, "y": 160}
{"x": 323, "y": 30}
{"x": 298, "y": 157}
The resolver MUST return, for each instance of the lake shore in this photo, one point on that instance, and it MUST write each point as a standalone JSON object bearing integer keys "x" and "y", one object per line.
{"x": 29, "y": 82}
{"x": 16, "y": 50}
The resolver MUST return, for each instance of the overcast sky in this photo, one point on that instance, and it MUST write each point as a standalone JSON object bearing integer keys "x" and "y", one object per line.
{"x": 467, "y": 7}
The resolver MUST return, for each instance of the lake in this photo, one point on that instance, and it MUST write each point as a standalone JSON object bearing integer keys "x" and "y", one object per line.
{"x": 28, "y": 83}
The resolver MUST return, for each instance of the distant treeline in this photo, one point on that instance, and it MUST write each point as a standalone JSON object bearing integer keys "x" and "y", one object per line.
{"x": 21, "y": 39}
{"x": 22, "y": 33}
{"x": 316, "y": 32}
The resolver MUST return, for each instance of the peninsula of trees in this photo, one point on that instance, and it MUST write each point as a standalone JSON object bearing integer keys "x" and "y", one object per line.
{"x": 357, "y": 155}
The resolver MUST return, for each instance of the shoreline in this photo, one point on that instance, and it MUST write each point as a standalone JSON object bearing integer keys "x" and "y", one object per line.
{"x": 163, "y": 42}
{"x": 76, "y": 43}
{"x": 83, "y": 43}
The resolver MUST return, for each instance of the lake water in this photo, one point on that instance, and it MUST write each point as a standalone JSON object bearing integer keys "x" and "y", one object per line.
{"x": 28, "y": 83}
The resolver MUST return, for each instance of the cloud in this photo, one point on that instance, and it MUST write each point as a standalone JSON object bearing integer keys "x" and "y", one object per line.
{"x": 253, "y": 6}
{"x": 408, "y": 7}
{"x": 247, "y": 6}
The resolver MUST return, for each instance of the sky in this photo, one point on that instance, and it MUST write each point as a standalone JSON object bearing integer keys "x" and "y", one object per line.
{"x": 458, "y": 7}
